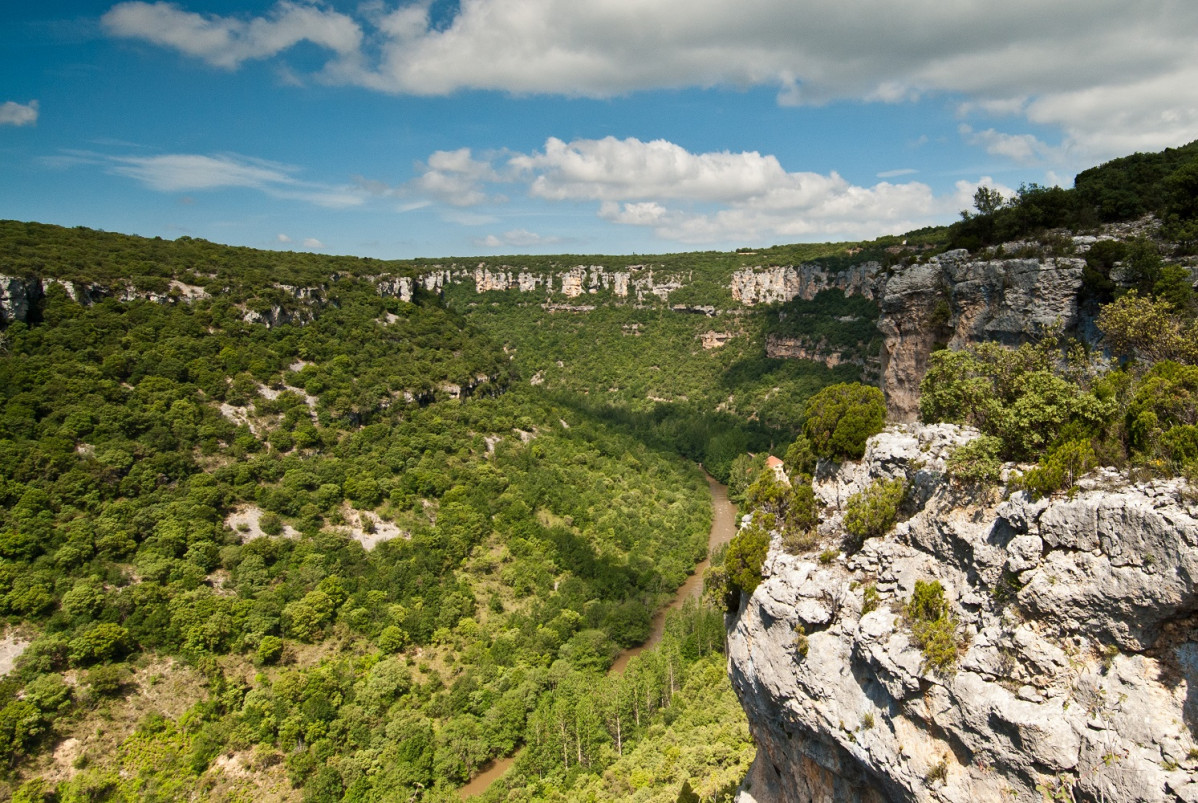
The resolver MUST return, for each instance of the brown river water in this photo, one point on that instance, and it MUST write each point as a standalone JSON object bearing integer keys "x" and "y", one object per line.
{"x": 723, "y": 527}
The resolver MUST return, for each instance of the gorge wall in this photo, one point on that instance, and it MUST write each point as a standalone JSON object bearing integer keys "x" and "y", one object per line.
{"x": 951, "y": 299}
{"x": 1078, "y": 673}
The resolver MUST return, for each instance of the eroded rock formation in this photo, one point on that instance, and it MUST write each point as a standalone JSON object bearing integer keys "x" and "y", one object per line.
{"x": 1078, "y": 667}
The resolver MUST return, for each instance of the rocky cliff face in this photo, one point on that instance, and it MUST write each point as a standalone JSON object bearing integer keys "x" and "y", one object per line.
{"x": 1078, "y": 669}
{"x": 952, "y": 299}
{"x": 770, "y": 285}
{"x": 636, "y": 281}
{"x": 956, "y": 300}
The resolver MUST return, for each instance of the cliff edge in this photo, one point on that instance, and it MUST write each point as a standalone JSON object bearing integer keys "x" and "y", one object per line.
{"x": 1074, "y": 620}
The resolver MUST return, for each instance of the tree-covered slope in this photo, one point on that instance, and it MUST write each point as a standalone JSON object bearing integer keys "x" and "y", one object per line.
{"x": 336, "y": 565}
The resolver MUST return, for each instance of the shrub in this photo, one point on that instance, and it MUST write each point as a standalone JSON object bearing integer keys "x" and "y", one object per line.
{"x": 869, "y": 599}
{"x": 99, "y": 643}
{"x": 976, "y": 462}
{"x": 933, "y": 626}
{"x": 744, "y": 559}
{"x": 872, "y": 512}
{"x": 801, "y": 643}
{"x": 1149, "y": 329}
{"x": 800, "y": 457}
{"x": 393, "y": 639}
{"x": 800, "y": 516}
{"x": 1021, "y": 395}
{"x": 1061, "y": 469}
{"x": 270, "y": 649}
{"x": 271, "y": 524}
{"x": 1162, "y": 413}
{"x": 767, "y": 493}
{"x": 840, "y": 419}
{"x": 802, "y": 508}
{"x": 108, "y": 680}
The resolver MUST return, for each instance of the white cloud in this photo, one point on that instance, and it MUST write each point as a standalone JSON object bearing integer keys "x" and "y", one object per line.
{"x": 704, "y": 197}
{"x": 312, "y": 242}
{"x": 186, "y": 172}
{"x": 453, "y": 177}
{"x": 228, "y": 41}
{"x": 902, "y": 171}
{"x": 1023, "y": 149}
{"x": 609, "y": 168}
{"x": 283, "y": 238}
{"x": 13, "y": 113}
{"x": 1112, "y": 76}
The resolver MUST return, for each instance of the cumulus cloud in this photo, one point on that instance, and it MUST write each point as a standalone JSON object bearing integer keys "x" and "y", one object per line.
{"x": 186, "y": 172}
{"x": 454, "y": 177}
{"x": 282, "y": 238}
{"x": 702, "y": 197}
{"x": 312, "y": 242}
{"x": 13, "y": 113}
{"x": 1023, "y": 149}
{"x": 1111, "y": 75}
{"x": 229, "y": 41}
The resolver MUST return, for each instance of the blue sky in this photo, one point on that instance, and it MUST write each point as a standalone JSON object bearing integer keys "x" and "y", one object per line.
{"x": 483, "y": 127}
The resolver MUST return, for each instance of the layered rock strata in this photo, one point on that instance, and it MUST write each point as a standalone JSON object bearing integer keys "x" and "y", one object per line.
{"x": 1077, "y": 676}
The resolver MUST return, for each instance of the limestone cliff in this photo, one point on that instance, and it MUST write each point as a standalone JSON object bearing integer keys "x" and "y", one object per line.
{"x": 1078, "y": 669}
{"x": 953, "y": 299}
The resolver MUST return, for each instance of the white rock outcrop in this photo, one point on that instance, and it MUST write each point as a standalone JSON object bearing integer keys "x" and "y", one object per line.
{"x": 1078, "y": 667}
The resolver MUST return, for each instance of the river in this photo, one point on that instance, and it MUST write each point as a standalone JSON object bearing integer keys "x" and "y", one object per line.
{"x": 723, "y": 527}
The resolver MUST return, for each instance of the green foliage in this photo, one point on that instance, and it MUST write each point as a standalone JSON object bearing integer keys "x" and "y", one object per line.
{"x": 800, "y": 457}
{"x": 840, "y": 418}
{"x": 1101, "y": 259}
{"x": 1149, "y": 329}
{"x": 118, "y": 471}
{"x": 802, "y": 509}
{"x": 869, "y": 598}
{"x": 768, "y": 493}
{"x": 744, "y": 558}
{"x": 1122, "y": 189}
{"x": 1018, "y": 395}
{"x": 1162, "y": 414}
{"x": 873, "y": 511}
{"x": 1061, "y": 468}
{"x": 742, "y": 473}
{"x": 831, "y": 320}
{"x": 1175, "y": 286}
{"x": 108, "y": 680}
{"x": 976, "y": 462}
{"x": 933, "y": 626}
{"x": 270, "y": 650}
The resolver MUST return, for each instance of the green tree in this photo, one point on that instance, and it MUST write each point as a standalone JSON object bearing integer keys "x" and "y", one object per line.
{"x": 1149, "y": 329}
{"x": 1061, "y": 468}
{"x": 871, "y": 512}
{"x": 841, "y": 418}
{"x": 933, "y": 626}
{"x": 744, "y": 559}
{"x": 976, "y": 462}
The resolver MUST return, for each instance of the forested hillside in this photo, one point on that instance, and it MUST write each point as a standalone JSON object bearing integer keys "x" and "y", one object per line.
{"x": 355, "y": 550}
